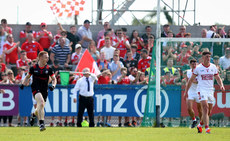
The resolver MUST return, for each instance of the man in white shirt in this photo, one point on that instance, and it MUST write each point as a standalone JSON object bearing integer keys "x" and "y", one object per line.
{"x": 205, "y": 72}
{"x": 108, "y": 49}
{"x": 85, "y": 86}
{"x": 225, "y": 60}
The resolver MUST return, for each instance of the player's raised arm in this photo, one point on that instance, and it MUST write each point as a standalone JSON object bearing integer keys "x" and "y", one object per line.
{"x": 190, "y": 81}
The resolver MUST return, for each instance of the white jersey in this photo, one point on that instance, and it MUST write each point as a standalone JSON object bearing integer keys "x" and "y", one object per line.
{"x": 205, "y": 76}
{"x": 193, "y": 87}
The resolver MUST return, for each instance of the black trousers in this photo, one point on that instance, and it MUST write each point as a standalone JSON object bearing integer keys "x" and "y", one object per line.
{"x": 88, "y": 103}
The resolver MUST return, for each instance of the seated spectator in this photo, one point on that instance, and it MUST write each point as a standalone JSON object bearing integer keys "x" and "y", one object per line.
{"x": 6, "y": 27}
{"x": 61, "y": 52}
{"x": 130, "y": 61}
{"x": 117, "y": 51}
{"x": 121, "y": 43}
{"x": 227, "y": 78}
{"x": 3, "y": 36}
{"x": 124, "y": 30}
{"x": 145, "y": 61}
{"x": 136, "y": 39}
{"x": 44, "y": 37}
{"x": 10, "y": 74}
{"x": 101, "y": 32}
{"x": 182, "y": 32}
{"x": 104, "y": 78}
{"x": 148, "y": 32}
{"x": 18, "y": 78}
{"x": 134, "y": 75}
{"x": 151, "y": 45}
{"x": 136, "y": 55}
{"x": 182, "y": 58}
{"x": 115, "y": 68}
{"x": 102, "y": 62}
{"x": 76, "y": 56}
{"x": 142, "y": 79}
{"x": 169, "y": 67}
{"x": 108, "y": 49}
{"x": 93, "y": 50}
{"x": 166, "y": 29}
{"x": 24, "y": 33}
{"x": 31, "y": 47}
{"x": 101, "y": 42}
{"x": 177, "y": 78}
{"x": 23, "y": 61}
{"x": 11, "y": 50}
{"x": 167, "y": 79}
{"x": 225, "y": 60}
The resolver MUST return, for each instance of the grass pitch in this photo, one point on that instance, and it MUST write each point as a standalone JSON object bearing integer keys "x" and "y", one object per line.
{"x": 111, "y": 134}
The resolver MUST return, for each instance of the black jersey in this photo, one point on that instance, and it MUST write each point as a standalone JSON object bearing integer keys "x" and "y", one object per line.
{"x": 40, "y": 77}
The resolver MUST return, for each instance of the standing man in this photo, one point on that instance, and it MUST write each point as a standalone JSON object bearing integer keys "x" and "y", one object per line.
{"x": 41, "y": 73}
{"x": 85, "y": 87}
{"x": 192, "y": 95}
{"x": 24, "y": 33}
{"x": 205, "y": 73}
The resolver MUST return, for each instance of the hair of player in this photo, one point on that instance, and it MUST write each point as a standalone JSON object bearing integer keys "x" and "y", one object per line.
{"x": 206, "y": 52}
{"x": 42, "y": 53}
{"x": 192, "y": 61}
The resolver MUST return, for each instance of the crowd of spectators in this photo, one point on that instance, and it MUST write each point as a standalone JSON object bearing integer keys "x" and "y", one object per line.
{"x": 122, "y": 59}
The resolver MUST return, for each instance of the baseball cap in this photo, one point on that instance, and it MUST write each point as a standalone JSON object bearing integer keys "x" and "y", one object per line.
{"x": 42, "y": 24}
{"x": 86, "y": 21}
{"x": 77, "y": 46}
{"x": 28, "y": 23}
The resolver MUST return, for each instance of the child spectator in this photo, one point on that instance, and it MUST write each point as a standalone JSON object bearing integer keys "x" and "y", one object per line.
{"x": 93, "y": 50}
{"x": 76, "y": 56}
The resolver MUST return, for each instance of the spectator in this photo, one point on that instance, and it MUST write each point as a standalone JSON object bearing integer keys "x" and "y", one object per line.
{"x": 61, "y": 34}
{"x": 130, "y": 61}
{"x": 108, "y": 49}
{"x": 115, "y": 68}
{"x": 167, "y": 79}
{"x": 182, "y": 32}
{"x": 217, "y": 63}
{"x": 93, "y": 50}
{"x": 101, "y": 32}
{"x": 76, "y": 56}
{"x": 102, "y": 62}
{"x": 10, "y": 74}
{"x": 6, "y": 27}
{"x": 104, "y": 77}
{"x": 61, "y": 52}
{"x": 182, "y": 58}
{"x": 136, "y": 55}
{"x": 225, "y": 60}
{"x": 31, "y": 47}
{"x": 117, "y": 51}
{"x": 85, "y": 34}
{"x": 203, "y": 35}
{"x": 145, "y": 61}
{"x": 217, "y": 47}
{"x": 150, "y": 45}
{"x": 195, "y": 52}
{"x": 3, "y": 35}
{"x": 169, "y": 52}
{"x": 121, "y": 43}
{"x": 18, "y": 78}
{"x": 166, "y": 29}
{"x": 142, "y": 79}
{"x": 71, "y": 35}
{"x": 44, "y": 37}
{"x": 124, "y": 30}
{"x": 188, "y": 44}
{"x": 169, "y": 67}
{"x": 136, "y": 39}
{"x": 134, "y": 75}
{"x": 2, "y": 65}
{"x": 227, "y": 78}
{"x": 23, "y": 61}
{"x": 211, "y": 32}
{"x": 101, "y": 42}
{"x": 148, "y": 32}
{"x": 56, "y": 68}
{"x": 24, "y": 33}
{"x": 11, "y": 50}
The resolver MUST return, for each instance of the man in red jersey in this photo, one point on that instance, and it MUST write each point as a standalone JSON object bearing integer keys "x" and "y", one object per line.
{"x": 44, "y": 37}
{"x": 24, "y": 33}
{"x": 11, "y": 49}
{"x": 6, "y": 27}
{"x": 24, "y": 61}
{"x": 145, "y": 61}
{"x": 31, "y": 47}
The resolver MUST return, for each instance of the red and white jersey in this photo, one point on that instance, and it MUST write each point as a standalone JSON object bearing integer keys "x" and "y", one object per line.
{"x": 121, "y": 46}
{"x": 44, "y": 40}
{"x": 13, "y": 56}
{"x": 8, "y": 30}
{"x": 125, "y": 80}
{"x": 143, "y": 64}
{"x": 193, "y": 87}
{"x": 21, "y": 63}
{"x": 23, "y": 34}
{"x": 32, "y": 49}
{"x": 205, "y": 76}
{"x": 75, "y": 58}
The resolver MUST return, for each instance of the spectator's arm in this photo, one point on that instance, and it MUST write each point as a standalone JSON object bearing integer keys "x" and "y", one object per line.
{"x": 11, "y": 49}
{"x": 60, "y": 27}
{"x": 52, "y": 57}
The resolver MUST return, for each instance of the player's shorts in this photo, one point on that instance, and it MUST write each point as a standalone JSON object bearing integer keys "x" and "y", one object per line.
{"x": 193, "y": 96}
{"x": 206, "y": 95}
{"x": 44, "y": 93}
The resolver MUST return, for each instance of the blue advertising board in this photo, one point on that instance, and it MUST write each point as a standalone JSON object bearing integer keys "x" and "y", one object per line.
{"x": 109, "y": 100}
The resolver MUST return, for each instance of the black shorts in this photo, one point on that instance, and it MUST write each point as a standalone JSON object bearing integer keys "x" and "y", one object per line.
{"x": 44, "y": 93}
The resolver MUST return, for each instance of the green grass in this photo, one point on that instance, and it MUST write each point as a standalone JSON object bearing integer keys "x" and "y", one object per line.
{"x": 111, "y": 134}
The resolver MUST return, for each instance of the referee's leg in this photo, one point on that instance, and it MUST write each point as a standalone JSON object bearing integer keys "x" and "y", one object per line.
{"x": 81, "y": 109}
{"x": 90, "y": 107}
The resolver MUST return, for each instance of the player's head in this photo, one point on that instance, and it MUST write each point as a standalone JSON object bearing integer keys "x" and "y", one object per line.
{"x": 192, "y": 63}
{"x": 206, "y": 56}
{"x": 43, "y": 57}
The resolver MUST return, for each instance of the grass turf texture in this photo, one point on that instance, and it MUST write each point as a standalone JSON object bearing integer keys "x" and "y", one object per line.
{"x": 111, "y": 134}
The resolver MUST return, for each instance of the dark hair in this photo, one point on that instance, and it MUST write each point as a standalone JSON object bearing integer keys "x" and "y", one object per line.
{"x": 144, "y": 51}
{"x": 206, "y": 52}
{"x": 106, "y": 33}
{"x": 3, "y": 21}
{"x": 72, "y": 26}
{"x": 166, "y": 25}
{"x": 148, "y": 26}
{"x": 124, "y": 29}
{"x": 22, "y": 51}
{"x": 192, "y": 61}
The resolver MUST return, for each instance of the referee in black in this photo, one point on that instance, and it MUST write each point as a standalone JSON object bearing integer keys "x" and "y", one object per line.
{"x": 41, "y": 73}
{"x": 85, "y": 87}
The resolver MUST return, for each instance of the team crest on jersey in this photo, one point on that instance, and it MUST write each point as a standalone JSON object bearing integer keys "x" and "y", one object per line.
{"x": 46, "y": 72}
{"x": 207, "y": 70}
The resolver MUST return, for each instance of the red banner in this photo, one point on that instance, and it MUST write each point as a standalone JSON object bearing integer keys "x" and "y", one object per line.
{"x": 221, "y": 105}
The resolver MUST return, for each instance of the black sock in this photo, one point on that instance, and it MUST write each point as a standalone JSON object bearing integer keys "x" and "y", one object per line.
{"x": 41, "y": 122}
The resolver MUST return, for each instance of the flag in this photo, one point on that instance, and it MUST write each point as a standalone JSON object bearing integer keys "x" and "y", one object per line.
{"x": 66, "y": 8}
{"x": 87, "y": 61}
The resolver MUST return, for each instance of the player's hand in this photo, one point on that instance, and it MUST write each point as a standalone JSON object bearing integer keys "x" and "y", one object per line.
{"x": 75, "y": 100}
{"x": 51, "y": 88}
{"x": 222, "y": 89}
{"x": 21, "y": 86}
{"x": 185, "y": 96}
